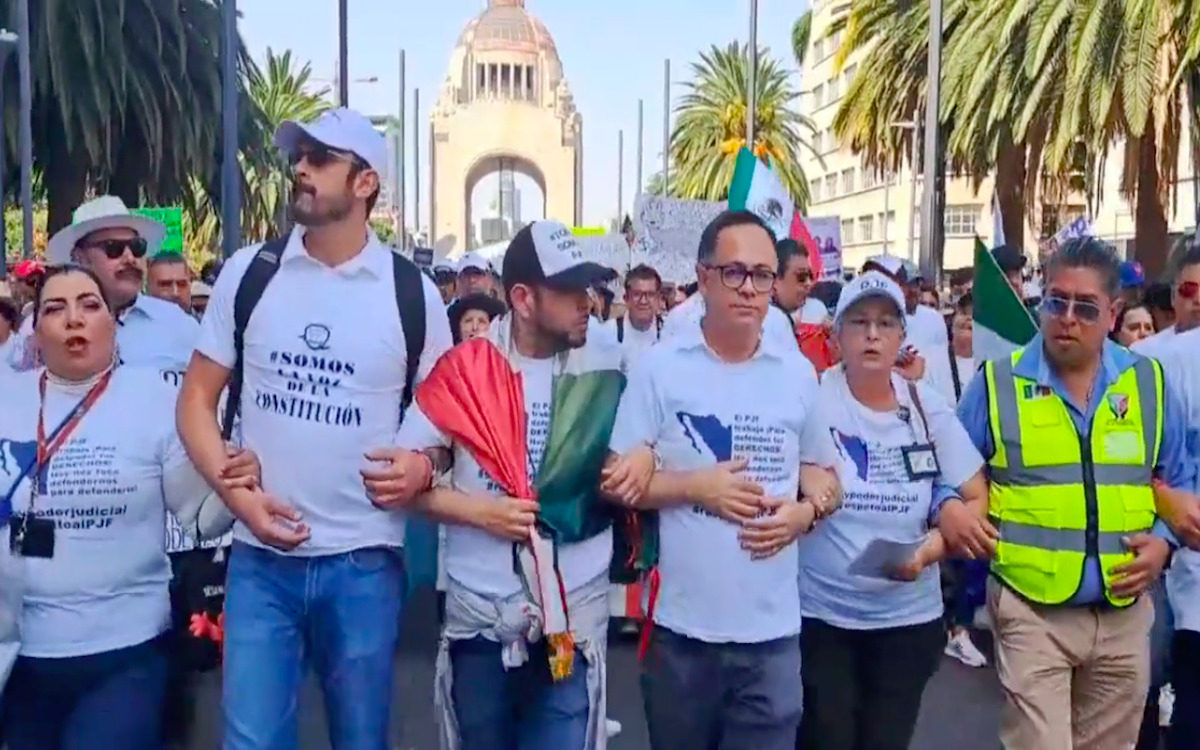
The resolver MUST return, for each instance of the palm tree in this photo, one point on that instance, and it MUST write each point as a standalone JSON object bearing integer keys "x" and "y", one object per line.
{"x": 124, "y": 99}
{"x": 280, "y": 90}
{"x": 801, "y": 34}
{"x": 710, "y": 125}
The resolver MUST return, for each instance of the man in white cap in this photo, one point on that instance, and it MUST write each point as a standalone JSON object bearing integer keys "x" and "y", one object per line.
{"x": 474, "y": 275}
{"x": 113, "y": 243}
{"x": 304, "y": 331}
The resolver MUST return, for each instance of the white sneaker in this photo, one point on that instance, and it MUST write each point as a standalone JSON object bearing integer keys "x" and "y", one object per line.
{"x": 961, "y": 647}
{"x": 613, "y": 727}
{"x": 1166, "y": 705}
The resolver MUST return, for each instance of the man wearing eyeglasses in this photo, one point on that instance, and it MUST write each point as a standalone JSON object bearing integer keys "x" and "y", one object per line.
{"x": 113, "y": 243}
{"x": 794, "y": 282}
{"x": 1074, "y": 429}
{"x": 1185, "y": 299}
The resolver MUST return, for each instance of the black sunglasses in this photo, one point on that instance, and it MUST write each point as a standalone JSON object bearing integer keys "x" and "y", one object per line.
{"x": 114, "y": 249}
{"x": 322, "y": 156}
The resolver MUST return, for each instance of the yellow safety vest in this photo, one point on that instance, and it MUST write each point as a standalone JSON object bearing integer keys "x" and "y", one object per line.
{"x": 1058, "y": 497}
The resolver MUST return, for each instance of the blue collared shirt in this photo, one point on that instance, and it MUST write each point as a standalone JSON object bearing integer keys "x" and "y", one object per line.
{"x": 1175, "y": 465}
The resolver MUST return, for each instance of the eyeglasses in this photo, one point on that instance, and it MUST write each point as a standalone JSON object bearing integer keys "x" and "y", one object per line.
{"x": 321, "y": 156}
{"x": 1061, "y": 307}
{"x": 641, "y": 296}
{"x": 1188, "y": 290}
{"x": 734, "y": 275}
{"x": 886, "y": 324}
{"x": 114, "y": 249}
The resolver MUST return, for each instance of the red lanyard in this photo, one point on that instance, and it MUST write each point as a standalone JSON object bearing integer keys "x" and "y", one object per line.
{"x": 47, "y": 448}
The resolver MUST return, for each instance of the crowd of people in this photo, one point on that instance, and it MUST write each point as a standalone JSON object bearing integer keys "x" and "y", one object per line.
{"x": 817, "y": 483}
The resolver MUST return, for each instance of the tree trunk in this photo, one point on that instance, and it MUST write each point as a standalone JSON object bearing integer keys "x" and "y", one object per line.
{"x": 1010, "y": 193}
{"x": 64, "y": 174}
{"x": 1151, "y": 244}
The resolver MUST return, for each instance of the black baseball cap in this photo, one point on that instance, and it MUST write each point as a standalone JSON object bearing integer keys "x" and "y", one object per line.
{"x": 1009, "y": 258}
{"x": 545, "y": 253}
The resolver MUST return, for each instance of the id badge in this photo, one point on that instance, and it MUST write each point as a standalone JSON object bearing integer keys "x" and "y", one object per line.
{"x": 920, "y": 460}
{"x": 32, "y": 537}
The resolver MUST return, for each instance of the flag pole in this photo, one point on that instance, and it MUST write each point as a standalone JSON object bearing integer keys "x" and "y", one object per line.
{"x": 666, "y": 152}
{"x": 752, "y": 94}
{"x": 930, "y": 216}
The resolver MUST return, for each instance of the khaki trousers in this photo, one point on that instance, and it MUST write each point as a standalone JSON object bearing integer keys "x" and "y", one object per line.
{"x": 1074, "y": 678}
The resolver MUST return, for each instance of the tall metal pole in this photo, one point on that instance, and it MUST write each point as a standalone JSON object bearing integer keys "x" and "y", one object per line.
{"x": 416, "y": 136}
{"x": 752, "y": 94}
{"x": 912, "y": 195}
{"x": 7, "y": 41}
{"x": 887, "y": 206}
{"x": 401, "y": 175}
{"x": 638, "y": 188}
{"x": 929, "y": 215}
{"x": 666, "y": 153}
{"x": 343, "y": 76}
{"x": 620, "y": 177}
{"x": 231, "y": 186}
{"x": 24, "y": 72}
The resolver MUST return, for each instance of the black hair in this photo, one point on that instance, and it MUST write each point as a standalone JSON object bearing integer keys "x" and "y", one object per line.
{"x": 168, "y": 258}
{"x": 723, "y": 221}
{"x": 1190, "y": 257}
{"x": 10, "y": 313}
{"x": 1125, "y": 310}
{"x": 964, "y": 303}
{"x": 210, "y": 271}
{"x": 481, "y": 301}
{"x": 1087, "y": 252}
{"x": 606, "y": 301}
{"x": 691, "y": 288}
{"x": 785, "y": 250}
{"x": 63, "y": 270}
{"x": 1157, "y": 296}
{"x": 643, "y": 272}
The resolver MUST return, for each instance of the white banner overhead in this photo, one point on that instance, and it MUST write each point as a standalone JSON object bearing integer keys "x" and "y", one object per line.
{"x": 668, "y": 234}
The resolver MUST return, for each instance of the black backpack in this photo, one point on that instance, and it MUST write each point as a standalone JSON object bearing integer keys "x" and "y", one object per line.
{"x": 410, "y": 304}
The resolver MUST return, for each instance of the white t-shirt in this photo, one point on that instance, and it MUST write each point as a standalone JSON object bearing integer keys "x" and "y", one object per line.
{"x": 109, "y": 488}
{"x": 1157, "y": 345}
{"x": 812, "y": 311}
{"x": 697, "y": 411}
{"x": 688, "y": 313}
{"x": 324, "y": 372}
{"x": 880, "y": 502}
{"x": 635, "y": 343}
{"x": 475, "y": 559}
{"x": 926, "y": 329}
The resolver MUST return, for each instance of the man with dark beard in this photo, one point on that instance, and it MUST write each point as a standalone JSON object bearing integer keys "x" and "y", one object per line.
{"x": 322, "y": 365}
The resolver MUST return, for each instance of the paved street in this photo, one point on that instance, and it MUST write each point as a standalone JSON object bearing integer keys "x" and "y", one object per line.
{"x": 959, "y": 709}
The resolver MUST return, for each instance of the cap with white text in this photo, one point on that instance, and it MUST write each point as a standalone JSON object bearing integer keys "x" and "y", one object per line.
{"x": 869, "y": 285}
{"x": 474, "y": 262}
{"x": 340, "y": 129}
{"x": 545, "y": 253}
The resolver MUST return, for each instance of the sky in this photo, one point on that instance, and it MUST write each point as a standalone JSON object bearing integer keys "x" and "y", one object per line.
{"x": 612, "y": 54}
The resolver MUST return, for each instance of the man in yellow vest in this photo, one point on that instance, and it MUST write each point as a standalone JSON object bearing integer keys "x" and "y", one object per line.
{"x": 1074, "y": 428}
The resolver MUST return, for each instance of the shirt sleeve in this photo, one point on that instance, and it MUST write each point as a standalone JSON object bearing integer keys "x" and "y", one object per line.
{"x": 215, "y": 340}
{"x": 941, "y": 495}
{"x": 1176, "y": 466}
{"x": 640, "y": 414}
{"x": 973, "y": 415}
{"x": 438, "y": 339}
{"x": 958, "y": 458}
{"x": 418, "y": 433}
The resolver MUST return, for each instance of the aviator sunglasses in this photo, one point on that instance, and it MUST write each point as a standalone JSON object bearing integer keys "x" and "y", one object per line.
{"x": 114, "y": 249}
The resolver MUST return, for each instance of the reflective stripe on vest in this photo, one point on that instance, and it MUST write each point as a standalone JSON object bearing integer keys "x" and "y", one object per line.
{"x": 1053, "y": 490}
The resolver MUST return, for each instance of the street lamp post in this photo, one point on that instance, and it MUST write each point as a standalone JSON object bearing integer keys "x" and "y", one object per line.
{"x": 401, "y": 197}
{"x": 231, "y": 198}
{"x": 930, "y": 235}
{"x": 25, "y": 79}
{"x": 912, "y": 197}
{"x": 752, "y": 94}
{"x": 343, "y": 76}
{"x": 8, "y": 41}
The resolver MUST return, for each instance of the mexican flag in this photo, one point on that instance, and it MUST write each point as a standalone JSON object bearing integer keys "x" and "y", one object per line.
{"x": 1001, "y": 323}
{"x": 758, "y": 189}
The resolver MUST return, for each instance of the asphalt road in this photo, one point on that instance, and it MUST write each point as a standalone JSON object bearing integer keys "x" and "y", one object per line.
{"x": 959, "y": 709}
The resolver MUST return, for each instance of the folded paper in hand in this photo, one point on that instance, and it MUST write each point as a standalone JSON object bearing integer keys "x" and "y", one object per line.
{"x": 882, "y": 556}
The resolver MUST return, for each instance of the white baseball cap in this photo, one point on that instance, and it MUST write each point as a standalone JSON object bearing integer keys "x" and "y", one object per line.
{"x": 865, "y": 286}
{"x": 474, "y": 262}
{"x": 340, "y": 129}
{"x": 546, "y": 253}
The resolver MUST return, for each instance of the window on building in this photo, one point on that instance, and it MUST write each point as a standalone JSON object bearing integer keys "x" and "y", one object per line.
{"x": 847, "y": 231}
{"x": 848, "y": 181}
{"x": 814, "y": 189}
{"x": 835, "y": 41}
{"x": 866, "y": 228}
{"x": 961, "y": 220}
{"x": 530, "y": 84}
{"x": 831, "y": 141}
{"x": 818, "y": 143}
{"x": 888, "y": 222}
{"x": 819, "y": 96}
{"x": 869, "y": 179}
{"x": 848, "y": 75}
{"x": 835, "y": 89}
{"x": 819, "y": 49}
{"x": 831, "y": 191}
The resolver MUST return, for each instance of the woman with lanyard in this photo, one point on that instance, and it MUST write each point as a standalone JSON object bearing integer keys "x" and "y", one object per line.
{"x": 89, "y": 465}
{"x": 869, "y": 585}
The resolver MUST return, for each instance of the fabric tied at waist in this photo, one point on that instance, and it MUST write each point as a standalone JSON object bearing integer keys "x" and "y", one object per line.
{"x": 1061, "y": 540}
{"x": 514, "y": 622}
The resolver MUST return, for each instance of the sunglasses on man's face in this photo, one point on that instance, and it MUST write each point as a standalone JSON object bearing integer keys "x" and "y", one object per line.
{"x": 320, "y": 157}
{"x": 1188, "y": 290}
{"x": 1084, "y": 310}
{"x": 114, "y": 249}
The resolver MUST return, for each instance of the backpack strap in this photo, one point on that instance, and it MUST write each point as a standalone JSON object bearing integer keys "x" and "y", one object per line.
{"x": 410, "y": 303}
{"x": 621, "y": 329}
{"x": 250, "y": 290}
{"x": 658, "y": 325}
{"x": 954, "y": 374}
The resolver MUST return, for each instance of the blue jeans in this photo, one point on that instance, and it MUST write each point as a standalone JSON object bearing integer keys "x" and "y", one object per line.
{"x": 516, "y": 709}
{"x": 340, "y": 611}
{"x": 102, "y": 701}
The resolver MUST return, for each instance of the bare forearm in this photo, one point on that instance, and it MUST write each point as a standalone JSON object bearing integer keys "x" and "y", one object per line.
{"x": 934, "y": 549}
{"x": 670, "y": 488}
{"x": 451, "y": 506}
{"x": 196, "y": 421}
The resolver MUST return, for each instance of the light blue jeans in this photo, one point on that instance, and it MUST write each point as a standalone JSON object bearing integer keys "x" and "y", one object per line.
{"x": 342, "y": 612}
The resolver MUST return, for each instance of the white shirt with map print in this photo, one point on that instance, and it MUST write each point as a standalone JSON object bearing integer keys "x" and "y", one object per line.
{"x": 108, "y": 490}
{"x": 324, "y": 372}
{"x": 478, "y": 561}
{"x": 698, "y": 410}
